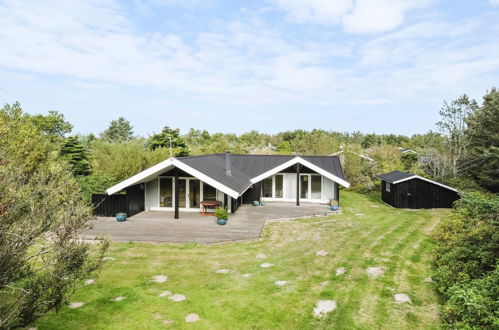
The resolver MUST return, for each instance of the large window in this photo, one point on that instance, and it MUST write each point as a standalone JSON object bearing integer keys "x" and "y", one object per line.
{"x": 165, "y": 192}
{"x": 304, "y": 186}
{"x": 209, "y": 193}
{"x": 279, "y": 179}
{"x": 387, "y": 188}
{"x": 267, "y": 187}
{"x": 316, "y": 184}
{"x": 194, "y": 193}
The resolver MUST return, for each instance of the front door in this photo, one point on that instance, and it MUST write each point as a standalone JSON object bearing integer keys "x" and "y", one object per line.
{"x": 189, "y": 193}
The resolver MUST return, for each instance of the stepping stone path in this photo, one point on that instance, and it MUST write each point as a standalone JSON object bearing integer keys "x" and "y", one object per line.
{"x": 177, "y": 298}
{"x": 374, "y": 272}
{"x": 402, "y": 298}
{"x": 375, "y": 206}
{"x": 428, "y": 280}
{"x": 192, "y": 318}
{"x": 108, "y": 258}
{"x": 167, "y": 322}
{"x": 223, "y": 271}
{"x": 160, "y": 278}
{"x": 246, "y": 275}
{"x": 165, "y": 294}
{"x": 359, "y": 214}
{"x": 261, "y": 256}
{"x": 88, "y": 282}
{"x": 120, "y": 298}
{"x": 281, "y": 283}
{"x": 74, "y": 305}
{"x": 266, "y": 265}
{"x": 321, "y": 253}
{"x": 324, "y": 307}
{"x": 340, "y": 271}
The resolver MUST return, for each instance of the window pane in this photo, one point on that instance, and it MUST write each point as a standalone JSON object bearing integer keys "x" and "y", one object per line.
{"x": 194, "y": 193}
{"x": 182, "y": 192}
{"x": 304, "y": 186}
{"x": 316, "y": 186}
{"x": 165, "y": 192}
{"x": 209, "y": 193}
{"x": 278, "y": 186}
{"x": 267, "y": 187}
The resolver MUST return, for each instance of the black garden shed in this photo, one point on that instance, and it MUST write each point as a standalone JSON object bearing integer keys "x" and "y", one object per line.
{"x": 405, "y": 190}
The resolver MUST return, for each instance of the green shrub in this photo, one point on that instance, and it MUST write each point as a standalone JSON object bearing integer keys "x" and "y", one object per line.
{"x": 221, "y": 213}
{"x": 466, "y": 260}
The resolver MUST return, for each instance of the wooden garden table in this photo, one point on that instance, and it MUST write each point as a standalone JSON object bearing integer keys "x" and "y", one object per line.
{"x": 209, "y": 205}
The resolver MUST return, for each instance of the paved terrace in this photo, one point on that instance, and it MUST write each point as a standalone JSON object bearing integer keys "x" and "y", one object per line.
{"x": 155, "y": 226}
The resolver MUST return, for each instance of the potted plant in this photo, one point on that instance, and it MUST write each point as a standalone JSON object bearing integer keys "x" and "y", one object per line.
{"x": 222, "y": 215}
{"x": 333, "y": 205}
{"x": 256, "y": 203}
{"x": 120, "y": 217}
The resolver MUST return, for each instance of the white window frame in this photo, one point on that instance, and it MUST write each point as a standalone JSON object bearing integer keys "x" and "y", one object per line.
{"x": 284, "y": 188}
{"x": 185, "y": 209}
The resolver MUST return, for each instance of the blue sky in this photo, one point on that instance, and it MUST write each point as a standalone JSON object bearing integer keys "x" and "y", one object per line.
{"x": 380, "y": 66}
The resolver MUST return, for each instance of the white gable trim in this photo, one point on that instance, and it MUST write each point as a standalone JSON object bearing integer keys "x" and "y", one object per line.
{"x": 160, "y": 167}
{"x": 304, "y": 162}
{"x": 424, "y": 179}
{"x": 141, "y": 176}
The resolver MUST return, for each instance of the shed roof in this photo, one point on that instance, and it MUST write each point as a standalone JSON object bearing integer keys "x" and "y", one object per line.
{"x": 394, "y": 176}
{"x": 399, "y": 176}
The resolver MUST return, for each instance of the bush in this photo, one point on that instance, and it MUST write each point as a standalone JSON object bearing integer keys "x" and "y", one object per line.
{"x": 95, "y": 184}
{"x": 221, "y": 213}
{"x": 466, "y": 260}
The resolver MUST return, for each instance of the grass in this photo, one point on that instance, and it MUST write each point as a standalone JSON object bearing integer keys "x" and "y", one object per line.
{"x": 396, "y": 240}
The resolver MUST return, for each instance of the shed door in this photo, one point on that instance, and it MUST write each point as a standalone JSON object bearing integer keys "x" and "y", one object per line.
{"x": 412, "y": 195}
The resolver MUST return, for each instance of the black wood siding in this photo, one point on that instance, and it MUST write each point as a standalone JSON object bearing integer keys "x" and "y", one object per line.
{"x": 107, "y": 206}
{"x": 130, "y": 203}
{"x": 135, "y": 199}
{"x": 252, "y": 194}
{"x": 418, "y": 194}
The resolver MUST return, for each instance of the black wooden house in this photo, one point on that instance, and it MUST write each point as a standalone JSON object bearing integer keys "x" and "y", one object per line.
{"x": 405, "y": 190}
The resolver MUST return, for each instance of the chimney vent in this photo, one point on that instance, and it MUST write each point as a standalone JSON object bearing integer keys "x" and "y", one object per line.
{"x": 227, "y": 164}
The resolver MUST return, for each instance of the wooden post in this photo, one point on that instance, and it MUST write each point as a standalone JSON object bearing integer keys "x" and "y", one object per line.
{"x": 297, "y": 167}
{"x": 177, "y": 194}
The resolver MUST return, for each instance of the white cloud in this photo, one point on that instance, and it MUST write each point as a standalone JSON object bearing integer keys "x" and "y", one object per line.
{"x": 241, "y": 63}
{"x": 315, "y": 11}
{"x": 359, "y": 16}
{"x": 373, "y": 16}
{"x": 494, "y": 2}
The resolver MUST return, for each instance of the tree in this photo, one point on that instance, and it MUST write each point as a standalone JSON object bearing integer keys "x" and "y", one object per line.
{"x": 41, "y": 213}
{"x": 118, "y": 131}
{"x": 454, "y": 126}
{"x": 53, "y": 124}
{"x": 119, "y": 161}
{"x": 169, "y": 138}
{"x": 76, "y": 155}
{"x": 483, "y": 127}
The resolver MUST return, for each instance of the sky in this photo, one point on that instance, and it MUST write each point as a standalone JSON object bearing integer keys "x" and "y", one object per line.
{"x": 382, "y": 66}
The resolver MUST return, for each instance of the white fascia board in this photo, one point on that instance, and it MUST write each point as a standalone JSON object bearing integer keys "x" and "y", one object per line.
{"x": 203, "y": 177}
{"x": 324, "y": 172}
{"x": 302, "y": 161}
{"x": 141, "y": 176}
{"x": 160, "y": 167}
{"x": 424, "y": 179}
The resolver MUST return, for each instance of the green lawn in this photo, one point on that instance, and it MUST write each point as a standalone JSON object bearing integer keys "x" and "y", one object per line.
{"x": 396, "y": 240}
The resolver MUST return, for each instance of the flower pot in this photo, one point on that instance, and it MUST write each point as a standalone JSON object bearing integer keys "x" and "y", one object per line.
{"x": 120, "y": 217}
{"x": 221, "y": 221}
{"x": 256, "y": 203}
{"x": 334, "y": 208}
